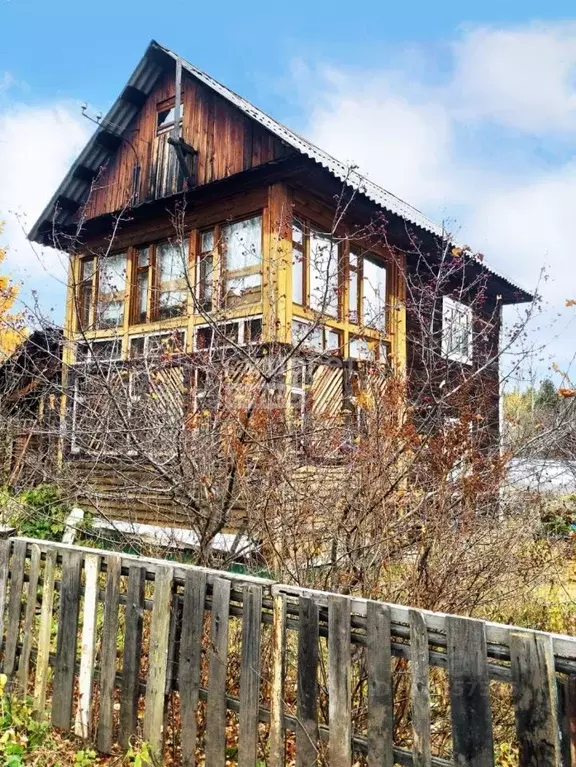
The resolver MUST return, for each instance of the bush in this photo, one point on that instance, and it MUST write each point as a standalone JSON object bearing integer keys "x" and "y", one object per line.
{"x": 38, "y": 513}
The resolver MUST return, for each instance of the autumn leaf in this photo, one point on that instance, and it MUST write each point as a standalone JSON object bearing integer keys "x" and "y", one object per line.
{"x": 567, "y": 393}
{"x": 570, "y": 302}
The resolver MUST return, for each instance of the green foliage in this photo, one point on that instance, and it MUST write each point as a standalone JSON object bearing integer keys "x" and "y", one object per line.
{"x": 38, "y": 513}
{"x": 85, "y": 758}
{"x": 546, "y": 396}
{"x": 21, "y": 735}
{"x": 138, "y": 756}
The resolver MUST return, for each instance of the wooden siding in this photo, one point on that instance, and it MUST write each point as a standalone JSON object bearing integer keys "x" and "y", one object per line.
{"x": 227, "y": 142}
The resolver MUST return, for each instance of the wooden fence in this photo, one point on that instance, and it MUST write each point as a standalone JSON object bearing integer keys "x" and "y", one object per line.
{"x": 220, "y": 667}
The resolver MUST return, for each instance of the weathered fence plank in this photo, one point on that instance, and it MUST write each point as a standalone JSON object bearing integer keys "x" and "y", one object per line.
{"x": 43, "y": 655}
{"x": 277, "y": 753}
{"x": 108, "y": 654}
{"x": 535, "y": 698}
{"x": 62, "y": 698}
{"x": 380, "y": 693}
{"x": 129, "y": 691}
{"x": 17, "y": 565}
{"x": 31, "y": 601}
{"x": 5, "y": 546}
{"x": 420, "y": 692}
{"x": 570, "y": 722}
{"x": 153, "y": 730}
{"x": 307, "y": 703}
{"x": 190, "y": 661}
{"x": 250, "y": 676}
{"x": 215, "y": 739}
{"x": 339, "y": 661}
{"x": 471, "y": 717}
{"x": 88, "y": 646}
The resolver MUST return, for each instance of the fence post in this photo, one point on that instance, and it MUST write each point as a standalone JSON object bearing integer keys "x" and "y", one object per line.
{"x": 277, "y": 744}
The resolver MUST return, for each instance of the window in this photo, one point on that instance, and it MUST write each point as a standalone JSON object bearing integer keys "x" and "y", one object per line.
{"x": 160, "y": 288}
{"x": 320, "y": 338}
{"x": 360, "y": 349}
{"x": 158, "y": 346}
{"x": 456, "y": 330}
{"x": 105, "y": 350}
{"x": 205, "y": 270}
{"x": 298, "y": 389}
{"x": 111, "y": 291}
{"x": 171, "y": 267}
{"x": 367, "y": 291}
{"x": 140, "y": 305}
{"x": 241, "y": 333}
{"x": 86, "y": 292}
{"x": 315, "y": 270}
{"x": 165, "y": 116}
{"x": 165, "y": 174}
{"x": 242, "y": 257}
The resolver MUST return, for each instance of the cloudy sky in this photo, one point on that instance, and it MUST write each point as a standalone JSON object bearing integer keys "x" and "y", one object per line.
{"x": 468, "y": 113}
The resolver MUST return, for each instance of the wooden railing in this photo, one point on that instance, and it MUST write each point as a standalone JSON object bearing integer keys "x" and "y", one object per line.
{"x": 247, "y": 670}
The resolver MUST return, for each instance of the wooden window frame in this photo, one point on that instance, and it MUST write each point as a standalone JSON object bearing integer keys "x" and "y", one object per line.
{"x": 92, "y": 319}
{"x": 307, "y": 226}
{"x": 358, "y": 269}
{"x": 153, "y": 300}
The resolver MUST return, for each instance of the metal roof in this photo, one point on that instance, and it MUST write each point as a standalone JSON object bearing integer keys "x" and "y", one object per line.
{"x": 75, "y": 185}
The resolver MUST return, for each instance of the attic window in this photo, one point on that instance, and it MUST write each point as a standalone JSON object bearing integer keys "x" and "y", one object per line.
{"x": 166, "y": 115}
{"x": 456, "y": 331}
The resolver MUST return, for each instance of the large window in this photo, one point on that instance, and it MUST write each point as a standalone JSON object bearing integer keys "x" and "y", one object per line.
{"x": 456, "y": 330}
{"x": 111, "y": 290}
{"x": 315, "y": 270}
{"x": 160, "y": 288}
{"x": 242, "y": 258}
{"x": 367, "y": 287}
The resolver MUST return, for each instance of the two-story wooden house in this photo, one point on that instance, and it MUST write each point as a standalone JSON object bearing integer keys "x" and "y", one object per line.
{"x": 193, "y": 220}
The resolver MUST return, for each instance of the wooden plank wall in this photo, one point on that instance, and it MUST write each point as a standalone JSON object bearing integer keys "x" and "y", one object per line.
{"x": 215, "y": 645}
{"x": 226, "y": 140}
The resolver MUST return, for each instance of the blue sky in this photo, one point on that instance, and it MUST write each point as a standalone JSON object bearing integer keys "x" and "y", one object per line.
{"x": 468, "y": 111}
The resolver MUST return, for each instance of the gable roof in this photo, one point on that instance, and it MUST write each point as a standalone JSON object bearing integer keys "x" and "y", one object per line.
{"x": 73, "y": 190}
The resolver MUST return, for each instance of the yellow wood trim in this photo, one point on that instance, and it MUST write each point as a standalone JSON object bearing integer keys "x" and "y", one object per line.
{"x": 278, "y": 262}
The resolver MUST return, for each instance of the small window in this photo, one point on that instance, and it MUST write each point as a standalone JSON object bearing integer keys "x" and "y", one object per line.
{"x": 240, "y": 333}
{"x": 456, "y": 331}
{"x": 157, "y": 346}
{"x": 105, "y": 350}
{"x": 360, "y": 349}
{"x": 320, "y": 338}
{"x": 242, "y": 254}
{"x": 166, "y": 114}
{"x": 142, "y": 263}
{"x": 111, "y": 291}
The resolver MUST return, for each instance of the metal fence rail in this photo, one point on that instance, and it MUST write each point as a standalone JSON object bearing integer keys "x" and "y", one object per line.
{"x": 126, "y": 647}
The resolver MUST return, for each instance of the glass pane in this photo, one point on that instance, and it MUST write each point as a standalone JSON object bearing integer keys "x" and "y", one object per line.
{"x": 298, "y": 275}
{"x": 87, "y": 269}
{"x": 374, "y": 294}
{"x": 142, "y": 296}
{"x": 360, "y": 350}
{"x": 204, "y": 338}
{"x": 143, "y": 256}
{"x": 240, "y": 285}
{"x": 112, "y": 275}
{"x": 297, "y": 234}
{"x": 332, "y": 339}
{"x": 205, "y": 281}
{"x": 252, "y": 331}
{"x": 166, "y": 117}
{"x": 207, "y": 242}
{"x": 172, "y": 303}
{"x": 243, "y": 244}
{"x": 172, "y": 264}
{"x": 136, "y": 347}
{"x": 299, "y": 330}
{"x": 353, "y": 297}
{"x": 323, "y": 274}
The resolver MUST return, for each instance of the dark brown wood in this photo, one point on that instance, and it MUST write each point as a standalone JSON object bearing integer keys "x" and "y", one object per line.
{"x": 380, "y": 692}
{"x": 420, "y": 693}
{"x": 62, "y": 696}
{"x": 250, "y": 676}
{"x": 131, "y": 654}
{"x": 307, "y": 704}
{"x": 339, "y": 663}
{"x": 570, "y": 721}
{"x": 14, "y": 606}
{"x": 535, "y": 699}
{"x": 472, "y": 739}
{"x": 31, "y": 603}
{"x": 190, "y": 661}
{"x": 105, "y": 733}
{"x": 215, "y": 739}
{"x": 4, "y": 571}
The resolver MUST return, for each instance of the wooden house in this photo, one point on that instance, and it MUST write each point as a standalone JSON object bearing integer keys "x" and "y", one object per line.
{"x": 191, "y": 216}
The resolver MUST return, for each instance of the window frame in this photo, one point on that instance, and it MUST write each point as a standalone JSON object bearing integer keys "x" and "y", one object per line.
{"x": 358, "y": 269}
{"x": 308, "y": 227}
{"x": 454, "y": 308}
{"x": 154, "y": 292}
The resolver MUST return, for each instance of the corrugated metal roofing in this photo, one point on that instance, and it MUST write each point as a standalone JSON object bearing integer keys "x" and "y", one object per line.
{"x": 123, "y": 112}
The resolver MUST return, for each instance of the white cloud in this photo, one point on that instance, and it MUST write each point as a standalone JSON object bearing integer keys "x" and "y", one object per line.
{"x": 470, "y": 146}
{"x": 37, "y": 146}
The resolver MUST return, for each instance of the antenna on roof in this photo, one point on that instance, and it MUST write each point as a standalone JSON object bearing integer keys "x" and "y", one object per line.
{"x": 96, "y": 118}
